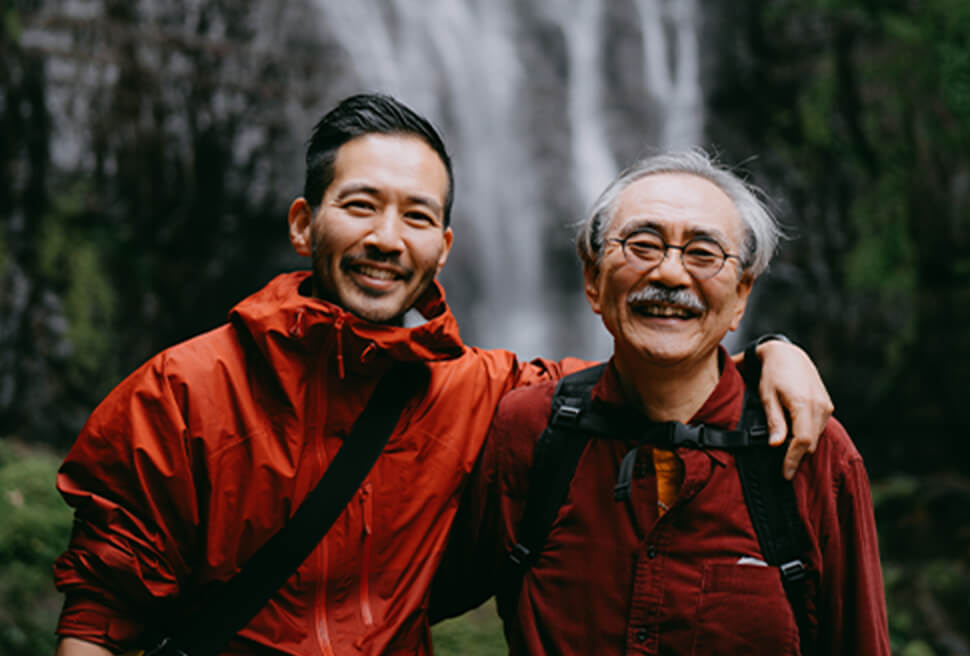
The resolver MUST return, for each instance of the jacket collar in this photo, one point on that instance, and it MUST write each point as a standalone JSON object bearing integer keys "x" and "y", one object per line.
{"x": 722, "y": 408}
{"x": 282, "y": 318}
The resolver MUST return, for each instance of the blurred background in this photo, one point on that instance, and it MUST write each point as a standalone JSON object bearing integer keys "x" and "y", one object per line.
{"x": 149, "y": 152}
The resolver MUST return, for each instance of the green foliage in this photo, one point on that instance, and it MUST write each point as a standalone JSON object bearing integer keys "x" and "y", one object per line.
{"x": 860, "y": 113}
{"x": 12, "y": 25}
{"x": 35, "y": 529}
{"x": 924, "y": 535}
{"x": 476, "y": 633}
{"x": 73, "y": 260}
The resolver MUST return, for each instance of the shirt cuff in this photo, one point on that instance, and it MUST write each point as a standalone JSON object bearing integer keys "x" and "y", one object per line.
{"x": 93, "y": 621}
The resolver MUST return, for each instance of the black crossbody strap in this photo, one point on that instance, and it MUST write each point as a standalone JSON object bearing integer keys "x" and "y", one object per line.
{"x": 229, "y": 607}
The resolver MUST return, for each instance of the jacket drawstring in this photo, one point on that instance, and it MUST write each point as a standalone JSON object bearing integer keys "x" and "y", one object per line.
{"x": 296, "y": 327}
{"x": 338, "y": 325}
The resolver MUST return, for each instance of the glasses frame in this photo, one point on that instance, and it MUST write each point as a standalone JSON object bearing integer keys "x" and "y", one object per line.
{"x": 642, "y": 266}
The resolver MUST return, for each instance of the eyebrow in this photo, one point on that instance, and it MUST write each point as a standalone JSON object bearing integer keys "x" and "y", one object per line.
{"x": 692, "y": 232}
{"x": 364, "y": 188}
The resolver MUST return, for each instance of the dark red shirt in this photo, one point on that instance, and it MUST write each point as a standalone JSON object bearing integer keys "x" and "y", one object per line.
{"x": 615, "y": 577}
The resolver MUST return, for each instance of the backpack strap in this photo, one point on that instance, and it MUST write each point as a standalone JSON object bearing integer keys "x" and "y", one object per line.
{"x": 227, "y": 607}
{"x": 556, "y": 456}
{"x": 773, "y": 509}
{"x": 770, "y": 498}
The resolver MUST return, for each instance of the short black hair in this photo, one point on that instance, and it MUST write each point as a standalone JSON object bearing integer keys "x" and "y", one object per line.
{"x": 358, "y": 116}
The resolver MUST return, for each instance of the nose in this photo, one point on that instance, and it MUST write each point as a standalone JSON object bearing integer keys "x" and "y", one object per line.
{"x": 385, "y": 232}
{"x": 671, "y": 270}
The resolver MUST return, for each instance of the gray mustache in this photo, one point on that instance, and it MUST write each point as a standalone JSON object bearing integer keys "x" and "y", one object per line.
{"x": 656, "y": 294}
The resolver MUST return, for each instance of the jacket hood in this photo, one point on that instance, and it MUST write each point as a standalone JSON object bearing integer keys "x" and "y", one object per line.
{"x": 283, "y": 317}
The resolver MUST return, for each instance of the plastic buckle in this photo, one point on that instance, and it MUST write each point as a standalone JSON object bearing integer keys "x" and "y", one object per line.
{"x": 567, "y": 415}
{"x": 519, "y": 554}
{"x": 792, "y": 571}
{"x": 689, "y": 436}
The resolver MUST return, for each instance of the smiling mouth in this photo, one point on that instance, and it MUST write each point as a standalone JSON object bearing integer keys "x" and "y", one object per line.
{"x": 664, "y": 311}
{"x": 368, "y": 272}
{"x": 374, "y": 272}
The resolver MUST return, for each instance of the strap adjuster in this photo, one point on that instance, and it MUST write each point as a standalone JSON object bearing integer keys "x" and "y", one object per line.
{"x": 793, "y": 570}
{"x": 567, "y": 415}
{"x": 520, "y": 554}
{"x": 758, "y": 435}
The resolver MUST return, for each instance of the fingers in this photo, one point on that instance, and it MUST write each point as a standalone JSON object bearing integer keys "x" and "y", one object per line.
{"x": 791, "y": 387}
{"x": 796, "y": 451}
{"x": 808, "y": 421}
{"x": 777, "y": 424}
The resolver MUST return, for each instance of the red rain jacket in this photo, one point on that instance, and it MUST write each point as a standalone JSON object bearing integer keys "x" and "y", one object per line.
{"x": 200, "y": 455}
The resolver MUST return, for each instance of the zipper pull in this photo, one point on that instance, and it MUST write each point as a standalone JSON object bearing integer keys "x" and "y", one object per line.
{"x": 368, "y": 508}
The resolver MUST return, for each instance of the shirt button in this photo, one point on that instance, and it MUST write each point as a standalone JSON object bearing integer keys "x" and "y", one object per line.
{"x": 652, "y": 551}
{"x": 642, "y": 635}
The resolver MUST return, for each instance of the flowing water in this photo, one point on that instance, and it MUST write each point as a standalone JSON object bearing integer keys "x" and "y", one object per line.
{"x": 540, "y": 103}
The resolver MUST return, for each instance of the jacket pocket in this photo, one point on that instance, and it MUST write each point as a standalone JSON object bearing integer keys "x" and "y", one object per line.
{"x": 743, "y": 610}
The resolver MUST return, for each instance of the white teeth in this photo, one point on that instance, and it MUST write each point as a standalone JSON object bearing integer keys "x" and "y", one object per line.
{"x": 665, "y": 311}
{"x": 372, "y": 272}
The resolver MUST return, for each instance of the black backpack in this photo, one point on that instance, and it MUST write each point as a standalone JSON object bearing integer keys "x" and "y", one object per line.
{"x": 770, "y": 499}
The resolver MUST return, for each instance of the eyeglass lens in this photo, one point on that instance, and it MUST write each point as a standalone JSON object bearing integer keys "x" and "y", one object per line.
{"x": 702, "y": 257}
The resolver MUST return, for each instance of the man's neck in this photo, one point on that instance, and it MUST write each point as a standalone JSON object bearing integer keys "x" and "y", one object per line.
{"x": 668, "y": 393}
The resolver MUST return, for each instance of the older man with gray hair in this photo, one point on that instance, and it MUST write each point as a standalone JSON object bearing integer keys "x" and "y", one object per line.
{"x": 613, "y": 508}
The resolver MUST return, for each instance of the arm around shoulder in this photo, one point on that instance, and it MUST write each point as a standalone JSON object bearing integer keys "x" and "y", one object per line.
{"x": 75, "y": 647}
{"x": 791, "y": 385}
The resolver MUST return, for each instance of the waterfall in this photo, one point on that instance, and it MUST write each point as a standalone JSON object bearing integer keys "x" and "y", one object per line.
{"x": 521, "y": 92}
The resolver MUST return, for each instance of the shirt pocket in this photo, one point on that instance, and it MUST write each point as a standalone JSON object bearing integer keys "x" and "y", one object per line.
{"x": 743, "y": 610}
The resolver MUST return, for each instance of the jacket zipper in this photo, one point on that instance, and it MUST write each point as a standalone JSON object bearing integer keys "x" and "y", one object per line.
{"x": 323, "y": 635}
{"x": 367, "y": 503}
{"x": 320, "y": 603}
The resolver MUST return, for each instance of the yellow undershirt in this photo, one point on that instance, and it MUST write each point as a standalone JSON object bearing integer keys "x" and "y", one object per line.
{"x": 670, "y": 476}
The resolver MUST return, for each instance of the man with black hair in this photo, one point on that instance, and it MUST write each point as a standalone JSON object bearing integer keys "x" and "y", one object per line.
{"x": 201, "y": 455}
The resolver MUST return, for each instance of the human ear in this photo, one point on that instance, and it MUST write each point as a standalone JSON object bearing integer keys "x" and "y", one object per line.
{"x": 300, "y": 218}
{"x": 449, "y": 236}
{"x": 744, "y": 292}
{"x": 591, "y": 286}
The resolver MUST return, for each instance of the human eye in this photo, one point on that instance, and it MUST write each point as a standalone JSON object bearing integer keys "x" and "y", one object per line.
{"x": 358, "y": 205}
{"x": 645, "y": 244}
{"x": 420, "y": 218}
{"x": 703, "y": 251}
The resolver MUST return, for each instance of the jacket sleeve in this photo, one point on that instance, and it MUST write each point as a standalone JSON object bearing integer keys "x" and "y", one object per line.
{"x": 541, "y": 370}
{"x": 852, "y": 604}
{"x": 129, "y": 478}
{"x": 476, "y": 564}
{"x": 469, "y": 571}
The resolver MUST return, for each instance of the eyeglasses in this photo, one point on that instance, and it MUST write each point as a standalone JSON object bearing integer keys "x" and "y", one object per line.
{"x": 702, "y": 257}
